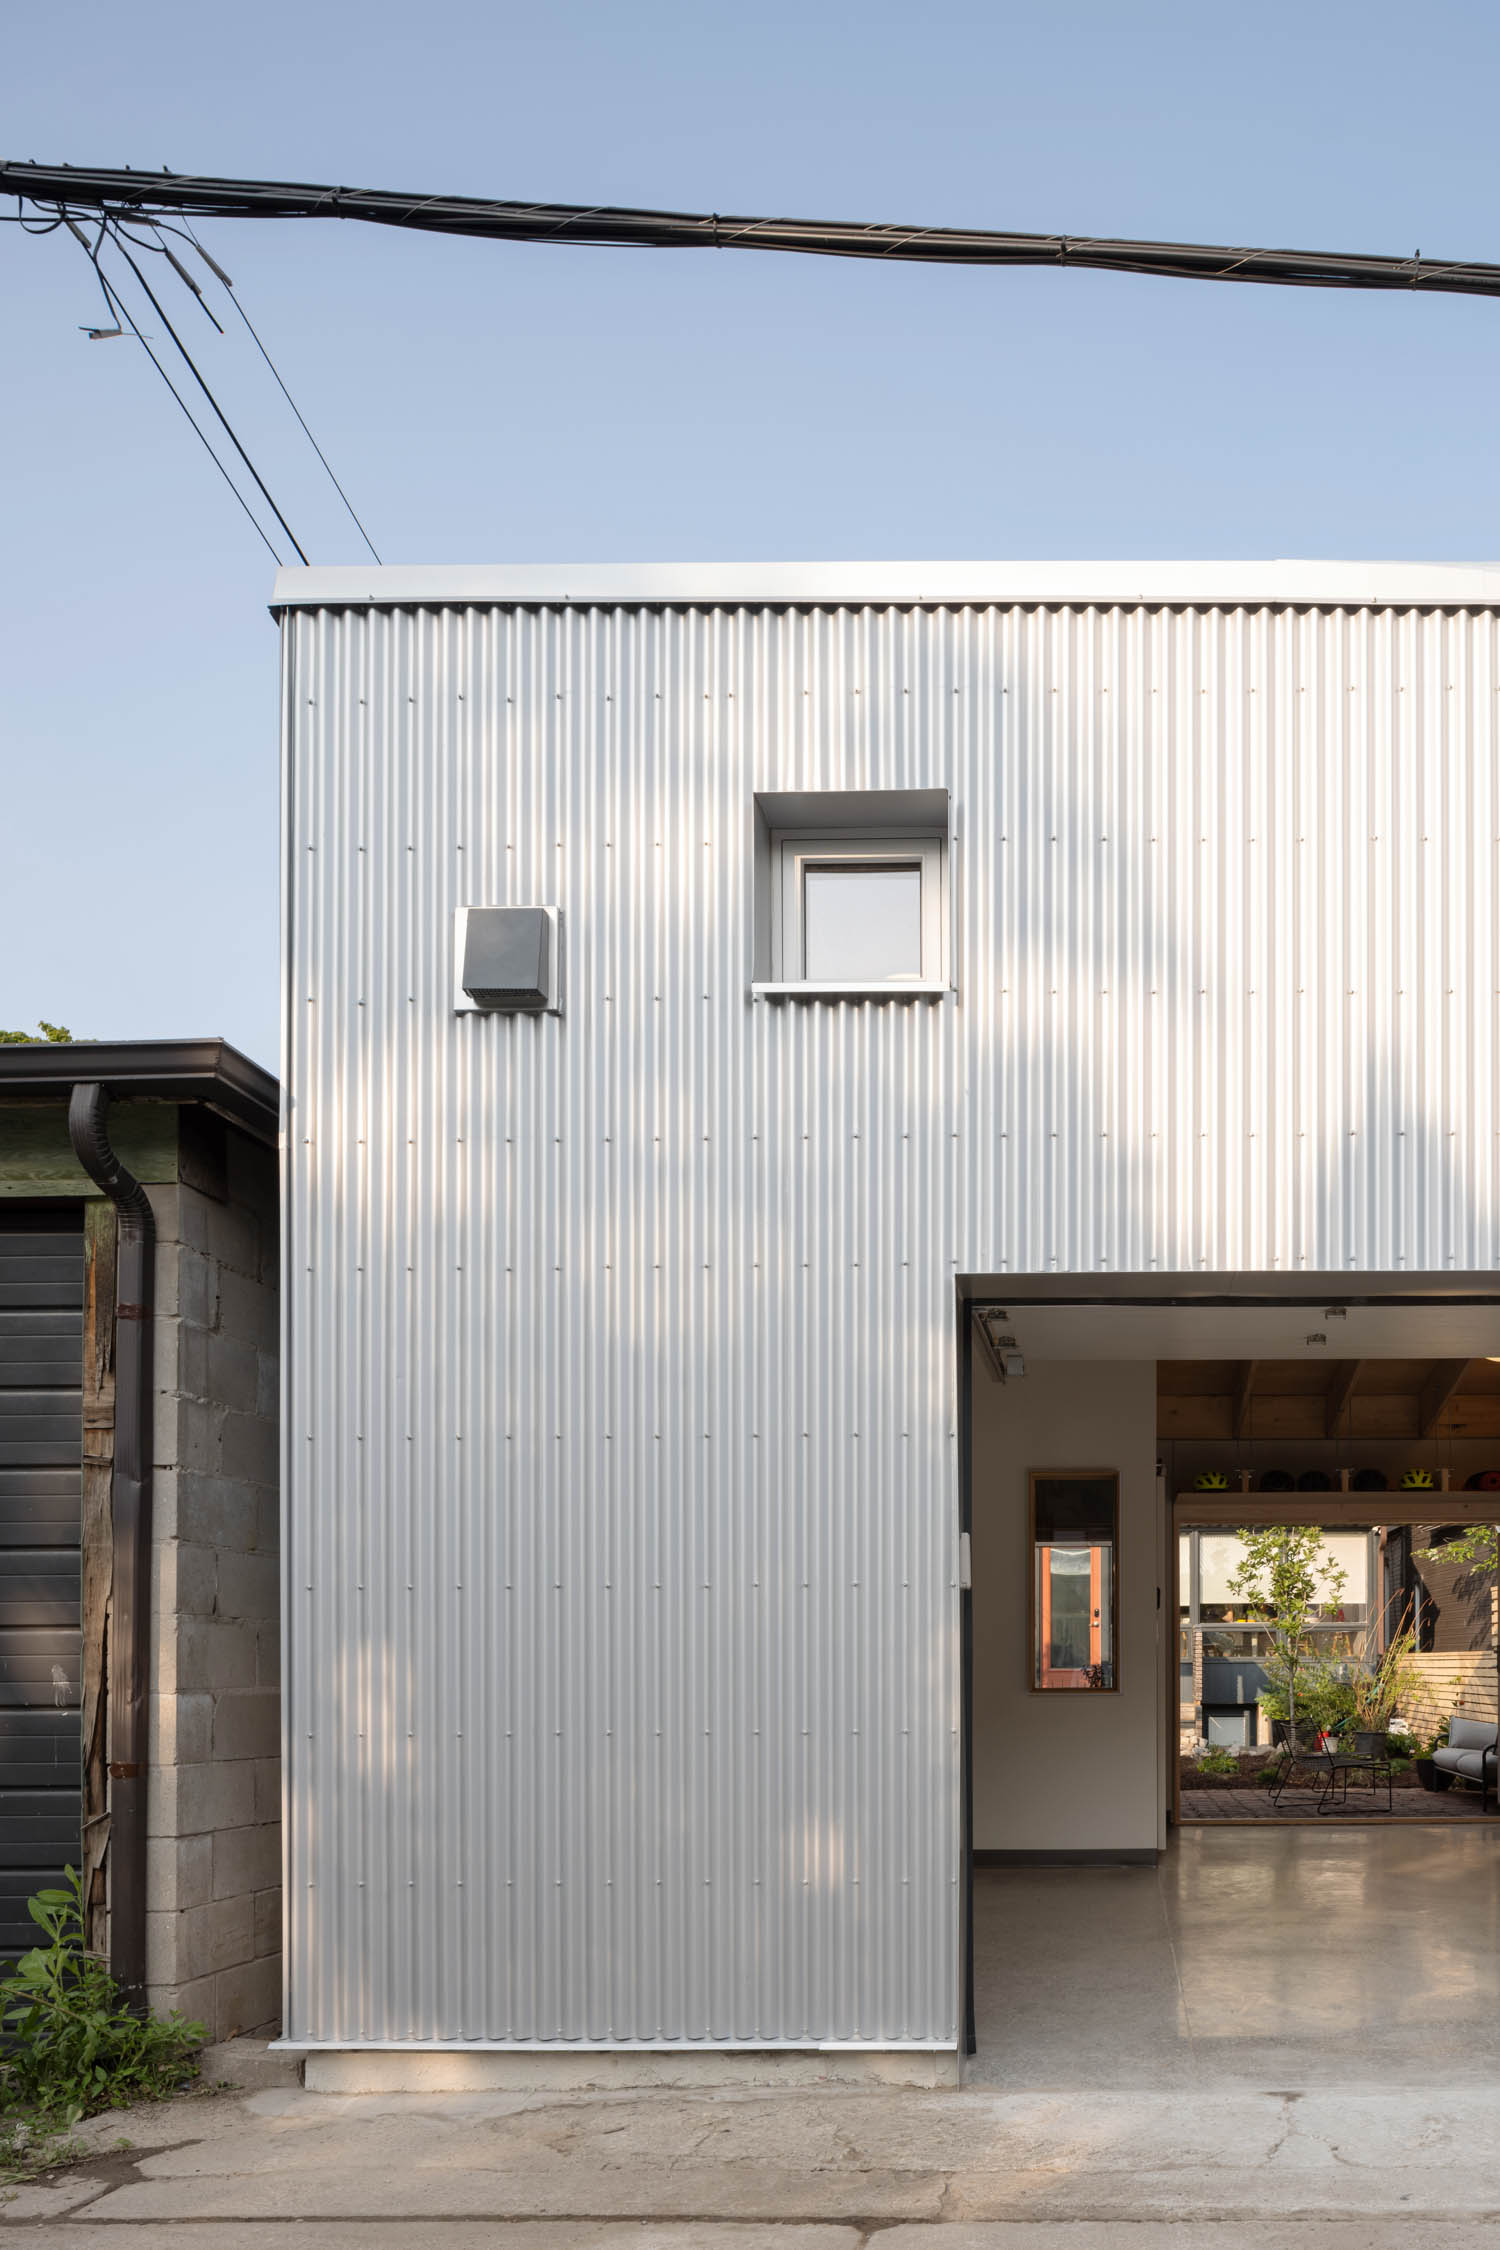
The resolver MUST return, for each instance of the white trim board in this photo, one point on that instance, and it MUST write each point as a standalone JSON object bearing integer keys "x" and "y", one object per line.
{"x": 1356, "y": 585}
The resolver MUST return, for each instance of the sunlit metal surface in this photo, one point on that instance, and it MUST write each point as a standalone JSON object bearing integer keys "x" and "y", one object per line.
{"x": 622, "y": 1690}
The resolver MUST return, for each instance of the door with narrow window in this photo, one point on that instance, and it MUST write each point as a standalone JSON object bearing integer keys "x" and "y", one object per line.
{"x": 1073, "y": 1635}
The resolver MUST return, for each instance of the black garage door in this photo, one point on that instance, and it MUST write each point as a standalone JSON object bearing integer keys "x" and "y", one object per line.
{"x": 41, "y": 1448}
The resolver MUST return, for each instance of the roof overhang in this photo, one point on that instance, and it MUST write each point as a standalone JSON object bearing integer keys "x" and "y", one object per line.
{"x": 209, "y": 1071}
{"x": 1109, "y": 585}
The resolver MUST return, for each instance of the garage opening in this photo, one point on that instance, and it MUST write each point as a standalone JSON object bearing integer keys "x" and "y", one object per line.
{"x": 1158, "y": 1838}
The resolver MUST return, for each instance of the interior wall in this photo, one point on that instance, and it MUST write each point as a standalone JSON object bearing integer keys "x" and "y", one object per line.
{"x": 1063, "y": 1771}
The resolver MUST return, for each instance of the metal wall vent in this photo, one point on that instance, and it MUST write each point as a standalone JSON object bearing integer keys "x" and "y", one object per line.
{"x": 508, "y": 959}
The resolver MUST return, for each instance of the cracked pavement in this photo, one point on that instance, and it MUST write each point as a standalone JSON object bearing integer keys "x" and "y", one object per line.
{"x": 282, "y": 2169}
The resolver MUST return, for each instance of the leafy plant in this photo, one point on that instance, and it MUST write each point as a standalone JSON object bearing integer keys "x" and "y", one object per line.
{"x": 48, "y": 1034}
{"x": 1214, "y": 1758}
{"x": 73, "y": 2045}
{"x": 1285, "y": 1572}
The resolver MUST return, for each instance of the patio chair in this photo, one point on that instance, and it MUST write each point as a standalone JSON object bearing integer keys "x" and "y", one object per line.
{"x": 1360, "y": 1753}
{"x": 1301, "y": 1744}
{"x": 1469, "y": 1756}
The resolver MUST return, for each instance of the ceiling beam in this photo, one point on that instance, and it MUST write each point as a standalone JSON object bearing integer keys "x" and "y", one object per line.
{"x": 1437, "y": 1392}
{"x": 1244, "y": 1389}
{"x": 1344, "y": 1375}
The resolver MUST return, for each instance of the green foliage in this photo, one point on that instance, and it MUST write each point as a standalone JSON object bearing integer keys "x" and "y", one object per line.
{"x": 1478, "y": 1548}
{"x": 1285, "y": 1572}
{"x": 72, "y": 2045}
{"x": 45, "y": 1034}
{"x": 1213, "y": 1758}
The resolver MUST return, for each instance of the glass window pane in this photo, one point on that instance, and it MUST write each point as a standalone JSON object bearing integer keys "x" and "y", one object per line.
{"x": 1074, "y": 1520}
{"x": 861, "y": 925}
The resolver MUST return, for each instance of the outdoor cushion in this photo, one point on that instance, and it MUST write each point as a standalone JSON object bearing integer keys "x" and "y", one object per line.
{"x": 1470, "y": 1734}
{"x": 1467, "y": 1762}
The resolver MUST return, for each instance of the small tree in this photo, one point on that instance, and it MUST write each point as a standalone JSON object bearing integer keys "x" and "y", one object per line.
{"x": 1285, "y": 1572}
{"x": 45, "y": 1034}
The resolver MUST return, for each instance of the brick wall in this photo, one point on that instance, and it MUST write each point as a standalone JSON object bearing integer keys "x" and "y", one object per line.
{"x": 214, "y": 1878}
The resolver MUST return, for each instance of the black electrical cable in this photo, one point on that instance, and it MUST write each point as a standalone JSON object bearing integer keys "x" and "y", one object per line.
{"x": 286, "y": 394}
{"x": 208, "y": 394}
{"x": 124, "y": 193}
{"x": 122, "y": 314}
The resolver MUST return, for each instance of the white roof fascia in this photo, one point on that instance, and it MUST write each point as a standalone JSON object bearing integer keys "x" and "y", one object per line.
{"x": 1358, "y": 585}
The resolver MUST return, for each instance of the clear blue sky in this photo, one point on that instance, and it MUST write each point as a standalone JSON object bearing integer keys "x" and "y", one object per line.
{"x": 489, "y": 403}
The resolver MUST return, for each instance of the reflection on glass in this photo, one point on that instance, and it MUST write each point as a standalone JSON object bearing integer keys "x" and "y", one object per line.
{"x": 1074, "y": 1529}
{"x": 862, "y": 925}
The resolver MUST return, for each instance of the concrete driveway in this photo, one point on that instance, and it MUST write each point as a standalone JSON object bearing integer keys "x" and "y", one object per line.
{"x": 281, "y": 2169}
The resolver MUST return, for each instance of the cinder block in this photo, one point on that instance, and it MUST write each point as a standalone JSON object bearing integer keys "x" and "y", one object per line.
{"x": 166, "y": 1406}
{"x": 217, "y": 1511}
{"x": 268, "y": 1654}
{"x": 163, "y": 1933}
{"x": 246, "y": 1860}
{"x": 179, "y": 1729}
{"x": 249, "y": 1448}
{"x": 163, "y": 1502}
{"x": 268, "y": 1923}
{"x": 268, "y": 1524}
{"x": 247, "y": 1725}
{"x": 236, "y": 1238}
{"x": 213, "y": 1937}
{"x": 248, "y": 1998}
{"x": 202, "y": 1438}
{"x": 249, "y": 1587}
{"x": 179, "y": 1873}
{"x": 192, "y": 1360}
{"x": 194, "y": 1999}
{"x": 232, "y": 1376}
{"x": 268, "y": 1789}
{"x": 268, "y": 1385}
{"x": 192, "y": 1218}
{"x": 247, "y": 1308}
{"x": 215, "y": 1653}
{"x": 185, "y": 1578}
{"x": 221, "y": 1794}
{"x": 197, "y": 1295}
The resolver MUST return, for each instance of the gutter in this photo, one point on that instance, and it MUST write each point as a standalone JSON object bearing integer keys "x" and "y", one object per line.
{"x": 130, "y": 1599}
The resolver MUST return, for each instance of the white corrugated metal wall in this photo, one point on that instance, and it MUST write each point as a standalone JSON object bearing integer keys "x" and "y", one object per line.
{"x": 622, "y": 1681}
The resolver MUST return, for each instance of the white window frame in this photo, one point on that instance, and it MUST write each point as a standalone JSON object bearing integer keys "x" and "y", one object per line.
{"x": 795, "y": 853}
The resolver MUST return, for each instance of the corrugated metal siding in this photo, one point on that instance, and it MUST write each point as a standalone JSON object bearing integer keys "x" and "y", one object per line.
{"x": 621, "y": 1466}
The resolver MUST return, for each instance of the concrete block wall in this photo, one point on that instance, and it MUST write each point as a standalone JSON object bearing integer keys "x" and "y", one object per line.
{"x": 214, "y": 1818}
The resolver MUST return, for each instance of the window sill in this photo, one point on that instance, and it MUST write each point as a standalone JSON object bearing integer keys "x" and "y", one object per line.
{"x": 804, "y": 991}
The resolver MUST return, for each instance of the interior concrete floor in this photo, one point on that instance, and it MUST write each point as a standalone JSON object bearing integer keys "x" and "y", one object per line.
{"x": 1268, "y": 1958}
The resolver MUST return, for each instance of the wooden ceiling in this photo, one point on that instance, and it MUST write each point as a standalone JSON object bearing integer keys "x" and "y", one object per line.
{"x": 1305, "y": 1398}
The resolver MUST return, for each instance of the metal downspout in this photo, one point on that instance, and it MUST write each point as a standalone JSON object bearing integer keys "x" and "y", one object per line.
{"x": 130, "y": 1600}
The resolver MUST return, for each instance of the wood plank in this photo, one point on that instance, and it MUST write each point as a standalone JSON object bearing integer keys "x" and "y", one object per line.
{"x": 1244, "y": 1392}
{"x": 1438, "y": 1389}
{"x": 1343, "y": 1377}
{"x": 1193, "y": 1417}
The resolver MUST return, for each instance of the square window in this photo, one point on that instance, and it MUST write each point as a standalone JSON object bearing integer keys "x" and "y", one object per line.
{"x": 858, "y": 910}
{"x": 849, "y": 904}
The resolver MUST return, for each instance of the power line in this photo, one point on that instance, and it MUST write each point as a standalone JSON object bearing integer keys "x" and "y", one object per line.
{"x": 124, "y": 193}
{"x": 119, "y": 243}
{"x": 286, "y": 394}
{"x": 122, "y": 315}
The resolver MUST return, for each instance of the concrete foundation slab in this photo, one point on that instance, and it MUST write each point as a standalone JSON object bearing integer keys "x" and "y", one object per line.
{"x": 372, "y": 2070}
